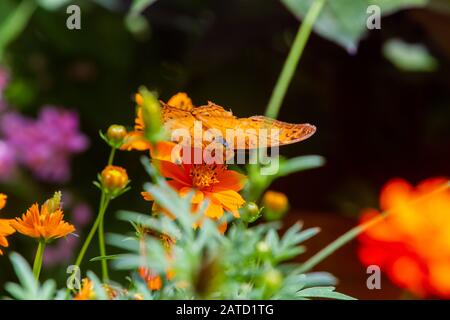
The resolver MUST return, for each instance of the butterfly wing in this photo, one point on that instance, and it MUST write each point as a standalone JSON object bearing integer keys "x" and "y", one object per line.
{"x": 175, "y": 118}
{"x": 278, "y": 133}
{"x": 244, "y": 133}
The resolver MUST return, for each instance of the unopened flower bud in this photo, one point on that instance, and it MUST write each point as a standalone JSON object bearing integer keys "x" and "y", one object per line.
{"x": 151, "y": 113}
{"x": 116, "y": 133}
{"x": 276, "y": 204}
{"x": 250, "y": 212}
{"x": 53, "y": 204}
{"x": 114, "y": 179}
{"x": 263, "y": 248}
{"x": 272, "y": 280}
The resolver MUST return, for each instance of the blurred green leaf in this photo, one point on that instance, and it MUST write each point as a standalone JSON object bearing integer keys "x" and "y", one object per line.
{"x": 53, "y": 4}
{"x": 344, "y": 21}
{"x": 409, "y": 57}
{"x": 29, "y": 288}
{"x": 140, "y": 5}
{"x": 301, "y": 163}
{"x": 323, "y": 292}
{"x": 15, "y": 23}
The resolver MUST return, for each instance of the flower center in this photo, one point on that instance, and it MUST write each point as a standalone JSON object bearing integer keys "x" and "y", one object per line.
{"x": 204, "y": 175}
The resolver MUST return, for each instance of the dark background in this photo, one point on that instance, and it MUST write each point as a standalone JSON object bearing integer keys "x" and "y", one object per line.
{"x": 374, "y": 121}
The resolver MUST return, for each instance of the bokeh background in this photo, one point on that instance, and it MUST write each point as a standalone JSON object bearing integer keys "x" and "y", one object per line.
{"x": 376, "y": 119}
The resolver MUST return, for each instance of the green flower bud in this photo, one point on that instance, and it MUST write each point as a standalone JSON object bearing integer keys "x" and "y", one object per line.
{"x": 53, "y": 204}
{"x": 116, "y": 133}
{"x": 250, "y": 212}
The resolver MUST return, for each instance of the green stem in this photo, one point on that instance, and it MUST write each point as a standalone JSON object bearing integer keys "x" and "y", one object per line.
{"x": 293, "y": 58}
{"x": 88, "y": 240}
{"x": 353, "y": 233}
{"x": 101, "y": 239}
{"x": 111, "y": 156}
{"x": 38, "y": 259}
{"x": 339, "y": 242}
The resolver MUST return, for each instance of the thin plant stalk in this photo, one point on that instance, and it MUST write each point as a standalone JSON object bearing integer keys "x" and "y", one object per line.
{"x": 104, "y": 201}
{"x": 111, "y": 156}
{"x": 290, "y": 65}
{"x": 37, "y": 265}
{"x": 101, "y": 238}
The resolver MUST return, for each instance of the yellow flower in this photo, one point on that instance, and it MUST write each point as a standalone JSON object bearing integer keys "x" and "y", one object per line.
{"x": 86, "y": 292}
{"x": 42, "y": 224}
{"x": 114, "y": 178}
{"x": 5, "y": 225}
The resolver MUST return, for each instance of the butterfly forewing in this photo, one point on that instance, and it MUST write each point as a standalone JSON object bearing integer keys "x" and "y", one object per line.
{"x": 239, "y": 133}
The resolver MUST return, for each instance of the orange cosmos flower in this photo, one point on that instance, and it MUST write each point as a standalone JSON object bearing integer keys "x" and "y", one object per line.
{"x": 86, "y": 292}
{"x": 214, "y": 183}
{"x": 412, "y": 244}
{"x": 5, "y": 225}
{"x": 42, "y": 224}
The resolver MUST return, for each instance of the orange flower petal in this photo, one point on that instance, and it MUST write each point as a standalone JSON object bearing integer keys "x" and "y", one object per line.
{"x": 230, "y": 180}
{"x": 198, "y": 195}
{"x": 175, "y": 172}
{"x": 230, "y": 200}
{"x": 135, "y": 141}
{"x": 214, "y": 210}
{"x": 3, "y": 198}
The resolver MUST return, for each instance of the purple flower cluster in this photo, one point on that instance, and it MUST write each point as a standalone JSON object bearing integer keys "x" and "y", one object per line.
{"x": 43, "y": 145}
{"x": 46, "y": 144}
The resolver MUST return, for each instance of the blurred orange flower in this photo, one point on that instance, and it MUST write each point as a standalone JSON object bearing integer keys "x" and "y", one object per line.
{"x": 214, "y": 183}
{"x": 42, "y": 224}
{"x": 86, "y": 292}
{"x": 153, "y": 281}
{"x": 5, "y": 225}
{"x": 412, "y": 244}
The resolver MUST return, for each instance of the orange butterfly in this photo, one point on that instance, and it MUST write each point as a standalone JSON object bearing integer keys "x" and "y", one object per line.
{"x": 180, "y": 113}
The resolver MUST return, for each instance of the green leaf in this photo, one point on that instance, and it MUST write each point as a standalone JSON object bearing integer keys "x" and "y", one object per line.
{"x": 302, "y": 163}
{"x": 29, "y": 288}
{"x": 409, "y": 57}
{"x": 140, "y": 5}
{"x": 99, "y": 289}
{"x": 13, "y": 25}
{"x": 108, "y": 257}
{"x": 323, "y": 292}
{"x": 24, "y": 273}
{"x": 344, "y": 21}
{"x": 53, "y": 4}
